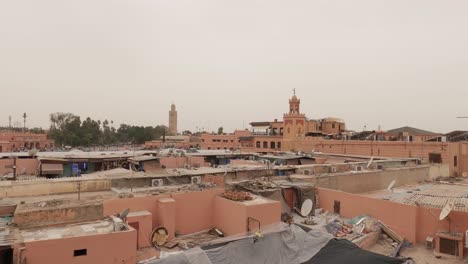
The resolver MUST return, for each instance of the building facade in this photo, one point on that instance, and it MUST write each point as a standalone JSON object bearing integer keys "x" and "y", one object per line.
{"x": 173, "y": 120}
{"x": 224, "y": 141}
{"x": 21, "y": 141}
{"x": 270, "y": 136}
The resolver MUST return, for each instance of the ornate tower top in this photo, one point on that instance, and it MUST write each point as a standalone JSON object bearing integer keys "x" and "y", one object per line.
{"x": 294, "y": 104}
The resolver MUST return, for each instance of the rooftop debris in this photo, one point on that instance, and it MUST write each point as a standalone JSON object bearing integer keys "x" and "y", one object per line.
{"x": 237, "y": 196}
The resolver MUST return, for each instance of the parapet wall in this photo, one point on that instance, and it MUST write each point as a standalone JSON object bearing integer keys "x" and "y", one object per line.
{"x": 23, "y": 166}
{"x": 52, "y": 186}
{"x": 411, "y": 222}
{"x": 367, "y": 181}
{"x": 449, "y": 151}
{"x": 45, "y": 216}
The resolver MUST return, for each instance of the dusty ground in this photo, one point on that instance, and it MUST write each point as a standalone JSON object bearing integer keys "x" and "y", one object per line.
{"x": 426, "y": 256}
{"x": 418, "y": 253}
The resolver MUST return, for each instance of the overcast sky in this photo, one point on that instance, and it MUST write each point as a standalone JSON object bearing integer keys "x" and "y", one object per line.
{"x": 227, "y": 63}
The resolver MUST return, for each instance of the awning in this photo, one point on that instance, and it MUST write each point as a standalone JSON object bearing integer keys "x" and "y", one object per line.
{"x": 51, "y": 169}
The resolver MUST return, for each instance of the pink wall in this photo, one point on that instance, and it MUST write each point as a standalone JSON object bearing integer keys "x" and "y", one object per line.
{"x": 166, "y": 215}
{"x": 428, "y": 222}
{"x": 194, "y": 210}
{"x": 225, "y": 141}
{"x": 180, "y": 162}
{"x": 106, "y": 248}
{"x": 413, "y": 223}
{"x": 144, "y": 224}
{"x": 399, "y": 217}
{"x": 387, "y": 149}
{"x": 231, "y": 217}
{"x": 28, "y": 165}
{"x": 147, "y": 203}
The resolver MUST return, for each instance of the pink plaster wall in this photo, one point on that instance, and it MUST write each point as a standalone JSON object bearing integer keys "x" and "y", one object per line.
{"x": 399, "y": 217}
{"x": 194, "y": 210}
{"x": 267, "y": 213}
{"x": 428, "y": 223}
{"x": 231, "y": 217}
{"x": 180, "y": 162}
{"x": 107, "y": 248}
{"x": 145, "y": 227}
{"x": 413, "y": 223}
{"x": 147, "y": 203}
{"x": 29, "y": 166}
{"x": 167, "y": 215}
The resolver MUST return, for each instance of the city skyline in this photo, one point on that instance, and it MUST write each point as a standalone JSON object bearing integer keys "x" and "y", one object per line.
{"x": 371, "y": 63}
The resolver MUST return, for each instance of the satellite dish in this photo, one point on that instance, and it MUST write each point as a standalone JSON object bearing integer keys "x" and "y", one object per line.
{"x": 306, "y": 207}
{"x": 124, "y": 214}
{"x": 391, "y": 185}
{"x": 32, "y": 152}
{"x": 446, "y": 211}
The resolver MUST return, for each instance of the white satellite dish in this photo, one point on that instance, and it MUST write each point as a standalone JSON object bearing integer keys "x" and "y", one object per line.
{"x": 391, "y": 185}
{"x": 306, "y": 207}
{"x": 33, "y": 152}
{"x": 446, "y": 211}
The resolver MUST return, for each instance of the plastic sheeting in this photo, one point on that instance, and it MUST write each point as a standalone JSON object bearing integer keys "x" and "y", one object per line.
{"x": 287, "y": 247}
{"x": 292, "y": 246}
{"x": 344, "y": 251}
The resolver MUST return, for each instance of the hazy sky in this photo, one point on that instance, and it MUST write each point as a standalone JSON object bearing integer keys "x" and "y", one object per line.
{"x": 227, "y": 63}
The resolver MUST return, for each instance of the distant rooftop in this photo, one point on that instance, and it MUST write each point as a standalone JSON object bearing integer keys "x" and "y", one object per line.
{"x": 85, "y": 229}
{"x": 411, "y": 130}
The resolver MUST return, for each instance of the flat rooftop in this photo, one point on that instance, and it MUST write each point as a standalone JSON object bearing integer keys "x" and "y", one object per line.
{"x": 85, "y": 229}
{"x": 433, "y": 194}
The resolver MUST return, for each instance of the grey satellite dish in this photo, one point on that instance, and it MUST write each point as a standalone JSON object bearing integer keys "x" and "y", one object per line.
{"x": 124, "y": 214}
{"x": 391, "y": 185}
{"x": 32, "y": 152}
{"x": 446, "y": 211}
{"x": 306, "y": 207}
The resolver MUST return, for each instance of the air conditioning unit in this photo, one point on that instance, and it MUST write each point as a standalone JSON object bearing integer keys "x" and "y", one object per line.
{"x": 333, "y": 169}
{"x": 306, "y": 172}
{"x": 157, "y": 182}
{"x": 358, "y": 168}
{"x": 195, "y": 180}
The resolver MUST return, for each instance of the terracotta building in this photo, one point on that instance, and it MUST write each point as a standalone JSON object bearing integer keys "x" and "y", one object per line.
{"x": 224, "y": 141}
{"x": 20, "y": 141}
{"x": 269, "y": 136}
{"x": 173, "y": 120}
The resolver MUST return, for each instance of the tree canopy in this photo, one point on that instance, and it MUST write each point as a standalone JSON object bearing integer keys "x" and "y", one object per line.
{"x": 68, "y": 129}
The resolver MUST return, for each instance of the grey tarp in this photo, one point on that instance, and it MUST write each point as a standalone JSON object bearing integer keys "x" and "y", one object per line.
{"x": 192, "y": 256}
{"x": 287, "y": 247}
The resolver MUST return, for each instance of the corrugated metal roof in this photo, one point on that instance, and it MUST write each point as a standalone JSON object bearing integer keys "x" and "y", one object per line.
{"x": 8, "y": 235}
{"x": 437, "y": 197}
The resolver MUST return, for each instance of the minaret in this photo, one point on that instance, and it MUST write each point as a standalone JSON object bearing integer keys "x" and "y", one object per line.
{"x": 294, "y": 121}
{"x": 173, "y": 120}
